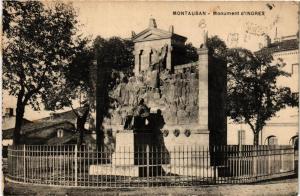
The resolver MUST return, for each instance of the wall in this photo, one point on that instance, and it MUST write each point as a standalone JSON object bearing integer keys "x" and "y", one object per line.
{"x": 284, "y": 126}
{"x": 146, "y": 46}
{"x": 8, "y": 122}
{"x": 291, "y": 58}
{"x": 283, "y": 131}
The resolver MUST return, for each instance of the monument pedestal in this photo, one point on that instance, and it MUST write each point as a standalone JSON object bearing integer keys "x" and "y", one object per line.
{"x": 129, "y": 158}
{"x": 124, "y": 150}
{"x": 180, "y": 155}
{"x": 188, "y": 150}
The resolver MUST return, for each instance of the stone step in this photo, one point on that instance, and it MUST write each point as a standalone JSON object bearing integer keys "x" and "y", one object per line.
{"x": 153, "y": 170}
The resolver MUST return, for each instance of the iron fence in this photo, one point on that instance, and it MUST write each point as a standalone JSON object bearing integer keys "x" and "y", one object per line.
{"x": 147, "y": 166}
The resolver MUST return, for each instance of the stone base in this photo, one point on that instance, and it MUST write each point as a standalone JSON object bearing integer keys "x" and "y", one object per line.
{"x": 130, "y": 148}
{"x": 125, "y": 141}
{"x": 190, "y": 171}
{"x": 185, "y": 154}
{"x": 125, "y": 170}
{"x": 123, "y": 158}
{"x": 188, "y": 150}
{"x": 110, "y": 170}
{"x": 124, "y": 151}
{"x": 141, "y": 171}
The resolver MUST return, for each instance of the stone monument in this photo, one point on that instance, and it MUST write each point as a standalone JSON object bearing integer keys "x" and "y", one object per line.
{"x": 188, "y": 100}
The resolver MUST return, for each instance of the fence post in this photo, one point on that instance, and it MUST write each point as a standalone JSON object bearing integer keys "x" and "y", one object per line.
{"x": 269, "y": 160}
{"x": 281, "y": 160}
{"x": 239, "y": 173}
{"x": 294, "y": 159}
{"x": 148, "y": 162}
{"x": 24, "y": 161}
{"x": 214, "y": 164}
{"x": 254, "y": 171}
{"x": 8, "y": 160}
{"x": 76, "y": 166}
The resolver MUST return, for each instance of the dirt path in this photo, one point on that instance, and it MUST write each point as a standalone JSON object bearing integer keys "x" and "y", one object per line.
{"x": 282, "y": 187}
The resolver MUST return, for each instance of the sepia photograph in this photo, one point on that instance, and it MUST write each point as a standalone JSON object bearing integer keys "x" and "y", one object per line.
{"x": 150, "y": 97}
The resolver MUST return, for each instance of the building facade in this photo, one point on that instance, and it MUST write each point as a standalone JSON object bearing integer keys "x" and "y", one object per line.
{"x": 283, "y": 128}
{"x": 152, "y": 43}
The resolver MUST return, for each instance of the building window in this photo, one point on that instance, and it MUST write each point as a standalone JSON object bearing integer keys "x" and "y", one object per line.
{"x": 294, "y": 141}
{"x": 9, "y": 112}
{"x": 140, "y": 60}
{"x": 295, "y": 95}
{"x": 241, "y": 137}
{"x": 60, "y": 133}
{"x": 150, "y": 57}
{"x": 272, "y": 140}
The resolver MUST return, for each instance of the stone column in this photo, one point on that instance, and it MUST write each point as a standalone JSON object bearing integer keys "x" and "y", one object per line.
{"x": 203, "y": 88}
{"x": 136, "y": 62}
{"x": 146, "y": 63}
{"x": 169, "y": 58}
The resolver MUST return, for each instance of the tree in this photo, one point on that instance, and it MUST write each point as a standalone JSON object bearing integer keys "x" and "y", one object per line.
{"x": 76, "y": 85}
{"x": 253, "y": 95}
{"x": 216, "y": 48}
{"x": 190, "y": 52}
{"x": 114, "y": 53}
{"x": 111, "y": 54}
{"x": 38, "y": 42}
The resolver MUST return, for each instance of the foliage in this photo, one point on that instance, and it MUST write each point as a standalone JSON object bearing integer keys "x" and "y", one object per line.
{"x": 114, "y": 58}
{"x": 216, "y": 47}
{"x": 38, "y": 43}
{"x": 75, "y": 83}
{"x": 113, "y": 55}
{"x": 253, "y": 95}
{"x": 190, "y": 52}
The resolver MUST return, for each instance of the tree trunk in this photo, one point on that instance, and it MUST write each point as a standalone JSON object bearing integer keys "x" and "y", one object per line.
{"x": 99, "y": 127}
{"x": 19, "y": 120}
{"x": 80, "y": 126}
{"x": 102, "y": 102}
{"x": 256, "y": 138}
{"x": 80, "y": 130}
{"x": 100, "y": 137}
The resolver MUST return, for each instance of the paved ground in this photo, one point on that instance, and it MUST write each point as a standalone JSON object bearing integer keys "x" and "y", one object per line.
{"x": 281, "y": 187}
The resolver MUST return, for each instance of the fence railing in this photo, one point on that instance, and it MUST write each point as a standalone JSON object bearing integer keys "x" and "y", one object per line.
{"x": 142, "y": 166}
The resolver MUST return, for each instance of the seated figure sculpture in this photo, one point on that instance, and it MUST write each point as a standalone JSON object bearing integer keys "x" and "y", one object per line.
{"x": 138, "y": 121}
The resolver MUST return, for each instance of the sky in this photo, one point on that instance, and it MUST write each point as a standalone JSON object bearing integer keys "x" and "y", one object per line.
{"x": 121, "y": 18}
